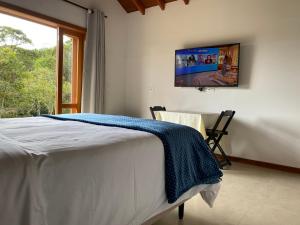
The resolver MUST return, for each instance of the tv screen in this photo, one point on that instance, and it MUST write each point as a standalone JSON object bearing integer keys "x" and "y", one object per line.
{"x": 214, "y": 66}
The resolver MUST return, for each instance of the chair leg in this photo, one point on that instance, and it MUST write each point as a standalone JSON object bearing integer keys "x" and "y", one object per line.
{"x": 181, "y": 211}
{"x": 216, "y": 145}
{"x": 224, "y": 155}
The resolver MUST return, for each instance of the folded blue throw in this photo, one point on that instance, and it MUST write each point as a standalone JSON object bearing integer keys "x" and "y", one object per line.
{"x": 188, "y": 160}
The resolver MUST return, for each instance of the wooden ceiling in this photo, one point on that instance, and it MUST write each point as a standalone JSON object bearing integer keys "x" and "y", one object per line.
{"x": 142, "y": 5}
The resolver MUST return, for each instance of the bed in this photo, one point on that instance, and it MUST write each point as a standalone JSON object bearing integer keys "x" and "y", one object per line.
{"x": 55, "y": 172}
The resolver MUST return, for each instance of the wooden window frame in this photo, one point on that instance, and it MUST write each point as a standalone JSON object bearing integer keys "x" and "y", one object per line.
{"x": 77, "y": 68}
{"x": 63, "y": 28}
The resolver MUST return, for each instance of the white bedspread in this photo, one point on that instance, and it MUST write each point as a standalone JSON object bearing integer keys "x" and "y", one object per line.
{"x": 70, "y": 173}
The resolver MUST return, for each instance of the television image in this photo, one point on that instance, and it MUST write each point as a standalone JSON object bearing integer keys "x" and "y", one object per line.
{"x": 214, "y": 66}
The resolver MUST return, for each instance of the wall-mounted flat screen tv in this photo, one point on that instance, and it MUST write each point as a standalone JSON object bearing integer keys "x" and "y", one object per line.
{"x": 213, "y": 66}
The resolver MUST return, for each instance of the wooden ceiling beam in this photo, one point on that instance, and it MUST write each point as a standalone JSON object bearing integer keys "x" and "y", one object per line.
{"x": 143, "y": 5}
{"x": 139, "y": 5}
{"x": 161, "y": 4}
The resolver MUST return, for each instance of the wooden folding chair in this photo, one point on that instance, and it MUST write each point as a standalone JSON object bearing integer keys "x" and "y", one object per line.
{"x": 215, "y": 135}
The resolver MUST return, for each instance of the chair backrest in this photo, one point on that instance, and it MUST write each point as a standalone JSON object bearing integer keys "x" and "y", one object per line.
{"x": 156, "y": 108}
{"x": 224, "y": 114}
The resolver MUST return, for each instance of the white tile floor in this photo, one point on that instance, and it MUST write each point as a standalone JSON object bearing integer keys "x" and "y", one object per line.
{"x": 249, "y": 195}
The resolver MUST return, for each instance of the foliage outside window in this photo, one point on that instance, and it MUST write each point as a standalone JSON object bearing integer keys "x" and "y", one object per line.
{"x": 28, "y": 76}
{"x": 44, "y": 80}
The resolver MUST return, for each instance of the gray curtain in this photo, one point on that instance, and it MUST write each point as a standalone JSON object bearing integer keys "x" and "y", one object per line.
{"x": 94, "y": 64}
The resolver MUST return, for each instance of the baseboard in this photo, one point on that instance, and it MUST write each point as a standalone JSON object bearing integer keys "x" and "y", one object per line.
{"x": 264, "y": 164}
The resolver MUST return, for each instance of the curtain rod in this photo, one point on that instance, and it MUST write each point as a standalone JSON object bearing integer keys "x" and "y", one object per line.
{"x": 80, "y": 6}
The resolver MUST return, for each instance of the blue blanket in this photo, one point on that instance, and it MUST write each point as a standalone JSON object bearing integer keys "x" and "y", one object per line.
{"x": 188, "y": 160}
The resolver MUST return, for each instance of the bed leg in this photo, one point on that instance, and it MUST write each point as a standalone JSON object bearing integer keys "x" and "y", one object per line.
{"x": 181, "y": 211}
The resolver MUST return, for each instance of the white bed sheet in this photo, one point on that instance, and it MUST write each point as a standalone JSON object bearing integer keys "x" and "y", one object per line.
{"x": 55, "y": 172}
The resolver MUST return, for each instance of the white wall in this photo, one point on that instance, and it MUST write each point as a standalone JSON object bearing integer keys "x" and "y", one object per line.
{"x": 267, "y": 123}
{"x": 115, "y": 40}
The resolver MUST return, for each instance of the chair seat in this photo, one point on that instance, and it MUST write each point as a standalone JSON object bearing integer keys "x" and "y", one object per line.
{"x": 210, "y": 132}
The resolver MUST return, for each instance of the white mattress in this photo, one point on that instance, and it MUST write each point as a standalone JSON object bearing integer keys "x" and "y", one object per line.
{"x": 54, "y": 172}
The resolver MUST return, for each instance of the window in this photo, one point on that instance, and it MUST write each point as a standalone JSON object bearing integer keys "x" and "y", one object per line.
{"x": 50, "y": 71}
{"x": 69, "y": 79}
